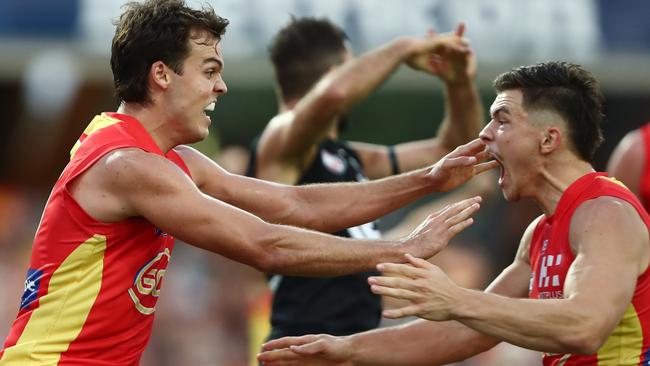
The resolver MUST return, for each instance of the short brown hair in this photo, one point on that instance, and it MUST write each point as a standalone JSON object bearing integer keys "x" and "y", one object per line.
{"x": 567, "y": 89}
{"x": 303, "y": 51}
{"x": 155, "y": 30}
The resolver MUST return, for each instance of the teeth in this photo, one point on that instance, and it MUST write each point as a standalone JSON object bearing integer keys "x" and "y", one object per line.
{"x": 210, "y": 107}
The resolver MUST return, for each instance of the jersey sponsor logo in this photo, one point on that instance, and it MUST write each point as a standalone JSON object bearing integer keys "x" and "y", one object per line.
{"x": 334, "y": 163}
{"x": 547, "y": 280}
{"x": 146, "y": 286}
{"x": 32, "y": 285}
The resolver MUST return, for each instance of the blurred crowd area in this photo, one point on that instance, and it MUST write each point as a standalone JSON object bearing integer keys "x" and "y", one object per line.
{"x": 214, "y": 311}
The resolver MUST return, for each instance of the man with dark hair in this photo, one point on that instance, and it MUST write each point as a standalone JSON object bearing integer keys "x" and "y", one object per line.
{"x": 318, "y": 81}
{"x": 107, "y": 232}
{"x": 578, "y": 289}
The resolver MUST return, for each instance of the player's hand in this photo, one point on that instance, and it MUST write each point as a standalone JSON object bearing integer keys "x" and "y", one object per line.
{"x": 309, "y": 350}
{"x": 437, "y": 229}
{"x": 460, "y": 165}
{"x": 428, "y": 292}
{"x": 446, "y": 55}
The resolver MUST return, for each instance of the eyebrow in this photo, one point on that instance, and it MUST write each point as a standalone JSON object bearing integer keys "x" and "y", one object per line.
{"x": 498, "y": 110}
{"x": 213, "y": 59}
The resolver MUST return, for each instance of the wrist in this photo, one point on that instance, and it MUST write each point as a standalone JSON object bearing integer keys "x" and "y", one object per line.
{"x": 462, "y": 304}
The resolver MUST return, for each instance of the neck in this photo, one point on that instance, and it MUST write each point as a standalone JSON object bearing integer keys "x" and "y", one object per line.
{"x": 152, "y": 120}
{"x": 557, "y": 175}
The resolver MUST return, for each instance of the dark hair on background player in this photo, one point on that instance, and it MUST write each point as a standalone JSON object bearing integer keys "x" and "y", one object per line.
{"x": 303, "y": 51}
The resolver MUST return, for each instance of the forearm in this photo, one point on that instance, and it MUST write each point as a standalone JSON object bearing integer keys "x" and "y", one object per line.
{"x": 463, "y": 119}
{"x": 332, "y": 207}
{"x": 418, "y": 343}
{"x": 294, "y": 251}
{"x": 550, "y": 325}
{"x": 355, "y": 80}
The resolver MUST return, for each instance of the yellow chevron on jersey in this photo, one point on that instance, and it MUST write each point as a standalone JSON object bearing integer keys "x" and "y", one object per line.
{"x": 62, "y": 312}
{"x": 101, "y": 121}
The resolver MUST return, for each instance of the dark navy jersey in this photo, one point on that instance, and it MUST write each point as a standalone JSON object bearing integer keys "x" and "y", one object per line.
{"x": 334, "y": 305}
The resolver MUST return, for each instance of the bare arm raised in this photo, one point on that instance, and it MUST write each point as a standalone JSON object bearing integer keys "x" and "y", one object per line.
{"x": 289, "y": 142}
{"x": 462, "y": 121}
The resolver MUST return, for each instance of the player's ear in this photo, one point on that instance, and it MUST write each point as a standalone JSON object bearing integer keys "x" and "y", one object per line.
{"x": 551, "y": 140}
{"x": 159, "y": 74}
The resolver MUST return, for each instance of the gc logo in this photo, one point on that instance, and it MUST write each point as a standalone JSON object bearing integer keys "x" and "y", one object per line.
{"x": 146, "y": 286}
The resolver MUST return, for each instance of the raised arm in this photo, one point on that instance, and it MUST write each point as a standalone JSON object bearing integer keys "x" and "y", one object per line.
{"x": 332, "y": 207}
{"x": 610, "y": 242}
{"x": 416, "y": 343}
{"x": 462, "y": 122}
{"x": 627, "y": 161}
{"x": 289, "y": 142}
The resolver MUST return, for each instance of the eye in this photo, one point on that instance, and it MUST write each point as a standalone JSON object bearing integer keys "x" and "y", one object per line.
{"x": 210, "y": 73}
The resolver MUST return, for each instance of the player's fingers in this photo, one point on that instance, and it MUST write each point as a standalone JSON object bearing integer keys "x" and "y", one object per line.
{"x": 471, "y": 148}
{"x": 402, "y": 312}
{"x": 396, "y": 293}
{"x": 418, "y": 262}
{"x": 455, "y": 229}
{"x": 397, "y": 270}
{"x": 463, "y": 215}
{"x": 285, "y": 342}
{"x": 394, "y": 282}
{"x": 483, "y": 167}
{"x": 285, "y": 354}
{"x": 458, "y": 207}
{"x": 460, "y": 29}
{"x": 310, "y": 348}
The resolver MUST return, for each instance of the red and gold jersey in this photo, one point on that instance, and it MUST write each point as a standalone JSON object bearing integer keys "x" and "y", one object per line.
{"x": 550, "y": 259}
{"x": 91, "y": 287}
{"x": 644, "y": 184}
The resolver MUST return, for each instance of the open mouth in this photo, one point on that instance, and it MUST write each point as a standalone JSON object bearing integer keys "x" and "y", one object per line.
{"x": 502, "y": 169}
{"x": 210, "y": 107}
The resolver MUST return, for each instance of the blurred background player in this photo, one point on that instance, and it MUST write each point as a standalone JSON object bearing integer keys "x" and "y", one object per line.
{"x": 630, "y": 163}
{"x": 318, "y": 80}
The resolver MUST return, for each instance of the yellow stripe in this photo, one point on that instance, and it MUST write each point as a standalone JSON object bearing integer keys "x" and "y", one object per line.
{"x": 613, "y": 180}
{"x": 99, "y": 122}
{"x": 624, "y": 346}
{"x": 62, "y": 312}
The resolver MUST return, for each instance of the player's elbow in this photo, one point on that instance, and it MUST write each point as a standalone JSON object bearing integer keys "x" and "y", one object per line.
{"x": 268, "y": 256}
{"x": 585, "y": 339}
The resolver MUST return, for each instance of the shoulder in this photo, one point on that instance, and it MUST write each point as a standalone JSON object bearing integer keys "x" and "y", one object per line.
{"x": 133, "y": 168}
{"x": 607, "y": 216}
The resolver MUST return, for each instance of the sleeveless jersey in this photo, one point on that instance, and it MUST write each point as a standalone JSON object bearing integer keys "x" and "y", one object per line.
{"x": 335, "y": 305}
{"x": 644, "y": 184}
{"x": 91, "y": 287}
{"x": 550, "y": 259}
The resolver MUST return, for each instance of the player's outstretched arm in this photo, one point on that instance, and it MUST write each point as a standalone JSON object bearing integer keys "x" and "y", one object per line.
{"x": 416, "y": 343}
{"x": 332, "y": 207}
{"x": 131, "y": 183}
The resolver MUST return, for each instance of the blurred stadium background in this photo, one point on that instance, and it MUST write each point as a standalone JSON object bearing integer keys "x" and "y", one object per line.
{"x": 55, "y": 75}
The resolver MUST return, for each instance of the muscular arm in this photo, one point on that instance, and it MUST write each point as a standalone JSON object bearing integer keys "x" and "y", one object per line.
{"x": 610, "y": 242}
{"x": 611, "y": 246}
{"x": 131, "y": 183}
{"x": 627, "y": 161}
{"x": 289, "y": 142}
{"x": 416, "y": 343}
{"x": 322, "y": 207}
